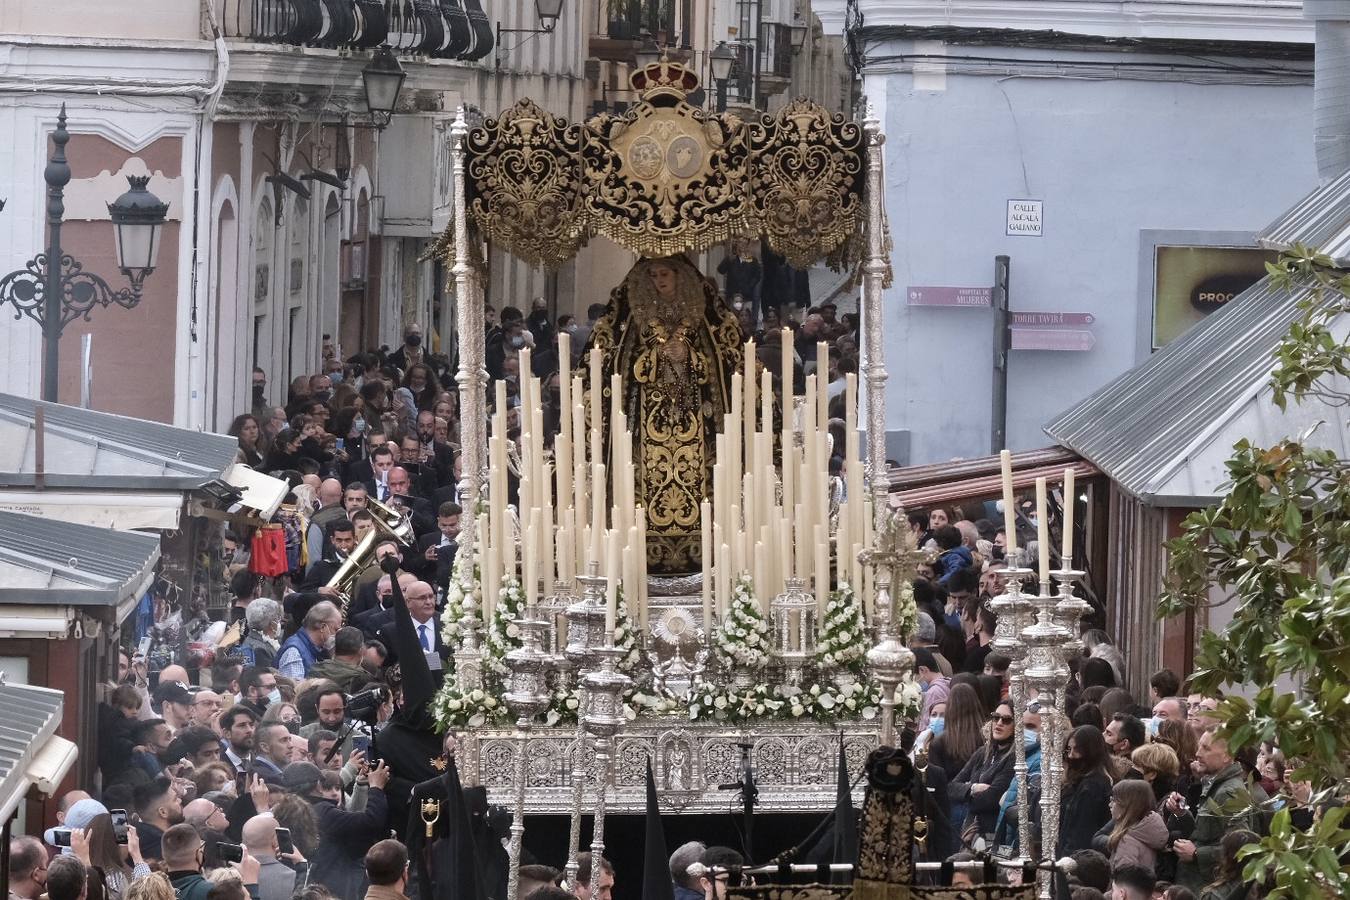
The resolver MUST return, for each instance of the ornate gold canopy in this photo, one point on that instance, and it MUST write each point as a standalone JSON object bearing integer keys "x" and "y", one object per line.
{"x": 666, "y": 177}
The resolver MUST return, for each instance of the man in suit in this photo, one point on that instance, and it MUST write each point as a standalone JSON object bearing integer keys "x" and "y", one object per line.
{"x": 420, "y": 462}
{"x": 367, "y": 585}
{"x": 437, "y": 456}
{"x": 381, "y": 464}
{"x": 374, "y": 620}
{"x": 360, "y": 468}
{"x": 436, "y": 551}
{"x": 406, "y": 498}
{"x": 421, "y": 601}
{"x": 341, "y": 538}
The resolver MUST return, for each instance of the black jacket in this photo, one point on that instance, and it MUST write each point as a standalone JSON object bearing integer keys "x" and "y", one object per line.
{"x": 1082, "y": 811}
{"x": 344, "y": 838}
{"x": 991, "y": 765}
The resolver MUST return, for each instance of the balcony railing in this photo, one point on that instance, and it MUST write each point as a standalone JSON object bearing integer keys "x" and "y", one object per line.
{"x": 444, "y": 29}
{"x": 775, "y": 50}
{"x": 668, "y": 22}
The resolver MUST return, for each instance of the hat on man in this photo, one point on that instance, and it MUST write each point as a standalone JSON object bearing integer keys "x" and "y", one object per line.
{"x": 300, "y": 777}
{"x": 173, "y": 692}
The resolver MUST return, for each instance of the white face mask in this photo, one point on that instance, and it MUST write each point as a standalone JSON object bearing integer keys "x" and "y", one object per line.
{"x": 274, "y": 696}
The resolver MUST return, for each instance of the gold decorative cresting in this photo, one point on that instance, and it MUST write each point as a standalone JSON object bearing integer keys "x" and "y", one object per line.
{"x": 666, "y": 177}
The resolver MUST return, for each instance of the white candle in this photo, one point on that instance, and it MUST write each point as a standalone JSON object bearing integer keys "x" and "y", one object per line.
{"x": 612, "y": 585}
{"x": 597, "y": 509}
{"x": 1009, "y": 507}
{"x": 642, "y": 562}
{"x": 597, "y": 387}
{"x": 748, "y": 368}
{"x": 724, "y": 580}
{"x": 1042, "y": 531}
{"x": 822, "y": 386}
{"x": 856, "y": 579}
{"x": 1070, "y": 501}
{"x": 531, "y": 549}
{"x": 632, "y": 575}
{"x": 761, "y": 576}
{"x": 737, "y": 560}
{"x": 786, "y": 367}
{"x": 820, "y": 536}
{"x": 547, "y": 534}
{"x": 567, "y": 547}
{"x": 705, "y": 555}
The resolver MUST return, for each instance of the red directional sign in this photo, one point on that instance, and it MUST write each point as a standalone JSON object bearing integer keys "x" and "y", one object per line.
{"x": 1052, "y": 339}
{"x": 943, "y": 295}
{"x": 1044, "y": 319}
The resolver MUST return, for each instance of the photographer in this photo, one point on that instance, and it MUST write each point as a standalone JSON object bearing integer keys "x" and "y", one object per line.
{"x": 183, "y": 850}
{"x": 344, "y": 837}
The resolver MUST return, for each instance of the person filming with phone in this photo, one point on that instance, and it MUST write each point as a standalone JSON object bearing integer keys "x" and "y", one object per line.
{"x": 183, "y": 853}
{"x": 281, "y": 867}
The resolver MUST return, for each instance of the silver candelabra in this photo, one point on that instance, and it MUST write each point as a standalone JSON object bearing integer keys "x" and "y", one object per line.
{"x": 1014, "y": 610}
{"x": 890, "y": 660}
{"x": 526, "y": 697}
{"x": 585, "y": 634}
{"x": 604, "y": 718}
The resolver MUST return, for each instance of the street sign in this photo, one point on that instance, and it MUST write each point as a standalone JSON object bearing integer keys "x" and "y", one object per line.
{"x": 1043, "y": 319}
{"x": 1025, "y": 218}
{"x": 1052, "y": 339}
{"x": 949, "y": 296}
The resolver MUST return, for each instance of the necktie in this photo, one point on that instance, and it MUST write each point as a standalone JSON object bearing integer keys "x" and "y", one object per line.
{"x": 384, "y": 491}
{"x": 422, "y": 632}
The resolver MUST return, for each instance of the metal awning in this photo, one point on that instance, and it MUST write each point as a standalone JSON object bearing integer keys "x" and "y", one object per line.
{"x": 96, "y": 468}
{"x": 1164, "y": 430}
{"x": 1320, "y": 220}
{"x": 47, "y": 566}
{"x": 920, "y": 487}
{"x": 31, "y": 753}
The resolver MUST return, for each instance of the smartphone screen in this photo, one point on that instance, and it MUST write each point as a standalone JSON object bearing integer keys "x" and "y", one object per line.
{"x": 362, "y": 743}
{"x": 284, "y": 844}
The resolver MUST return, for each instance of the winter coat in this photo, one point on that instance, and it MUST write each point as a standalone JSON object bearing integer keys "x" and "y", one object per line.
{"x": 344, "y": 838}
{"x": 991, "y": 765}
{"x": 1227, "y": 789}
{"x": 1083, "y": 808}
{"x": 1139, "y": 846}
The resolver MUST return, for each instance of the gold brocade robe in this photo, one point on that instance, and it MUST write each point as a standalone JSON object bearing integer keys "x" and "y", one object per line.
{"x": 676, "y": 353}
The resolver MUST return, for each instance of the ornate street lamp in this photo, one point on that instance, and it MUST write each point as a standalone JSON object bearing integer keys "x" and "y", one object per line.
{"x": 797, "y": 33}
{"x": 721, "y": 60}
{"x": 549, "y": 12}
{"x": 53, "y": 289}
{"x": 383, "y": 77}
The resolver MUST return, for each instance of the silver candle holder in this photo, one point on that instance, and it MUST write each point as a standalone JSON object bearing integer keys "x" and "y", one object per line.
{"x": 468, "y": 652}
{"x": 890, "y": 659}
{"x": 794, "y": 606}
{"x": 605, "y": 687}
{"x": 526, "y": 696}
{"x": 585, "y": 634}
{"x": 1045, "y": 675}
{"x": 1014, "y": 610}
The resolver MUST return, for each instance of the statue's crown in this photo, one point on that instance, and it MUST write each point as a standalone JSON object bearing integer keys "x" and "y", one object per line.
{"x": 664, "y": 79}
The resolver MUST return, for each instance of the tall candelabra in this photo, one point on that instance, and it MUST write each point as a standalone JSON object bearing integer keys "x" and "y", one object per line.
{"x": 890, "y": 660}
{"x": 604, "y": 717}
{"x": 1014, "y": 610}
{"x": 526, "y": 697}
{"x": 585, "y": 634}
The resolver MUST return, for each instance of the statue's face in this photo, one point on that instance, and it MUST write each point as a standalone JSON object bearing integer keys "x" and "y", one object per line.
{"x": 663, "y": 279}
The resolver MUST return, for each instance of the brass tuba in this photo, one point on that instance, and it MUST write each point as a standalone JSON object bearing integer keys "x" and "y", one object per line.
{"x": 390, "y": 525}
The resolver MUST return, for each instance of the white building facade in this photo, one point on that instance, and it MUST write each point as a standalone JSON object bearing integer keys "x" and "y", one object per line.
{"x": 1122, "y": 155}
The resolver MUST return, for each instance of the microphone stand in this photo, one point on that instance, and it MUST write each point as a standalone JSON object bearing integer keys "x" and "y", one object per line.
{"x": 749, "y": 794}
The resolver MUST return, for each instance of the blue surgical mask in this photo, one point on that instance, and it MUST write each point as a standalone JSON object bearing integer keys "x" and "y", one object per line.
{"x": 1030, "y": 737}
{"x": 923, "y": 687}
{"x": 1151, "y": 723}
{"x": 935, "y": 725}
{"x": 359, "y": 424}
{"x": 273, "y": 696}
{"x": 335, "y": 377}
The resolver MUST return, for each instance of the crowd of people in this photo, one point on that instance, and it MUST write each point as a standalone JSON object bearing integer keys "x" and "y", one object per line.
{"x": 1153, "y": 803}
{"x": 272, "y": 771}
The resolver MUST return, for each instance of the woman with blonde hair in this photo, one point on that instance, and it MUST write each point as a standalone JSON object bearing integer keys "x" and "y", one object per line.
{"x": 1158, "y": 765}
{"x": 1136, "y": 832}
{"x": 154, "y": 886}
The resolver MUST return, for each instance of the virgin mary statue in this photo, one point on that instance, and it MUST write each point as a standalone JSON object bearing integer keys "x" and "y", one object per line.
{"x": 676, "y": 343}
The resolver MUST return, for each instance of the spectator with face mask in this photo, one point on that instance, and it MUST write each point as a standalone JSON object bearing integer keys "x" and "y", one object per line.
{"x": 312, "y": 643}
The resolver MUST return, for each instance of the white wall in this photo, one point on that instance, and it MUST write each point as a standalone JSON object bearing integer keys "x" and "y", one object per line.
{"x": 1109, "y": 157}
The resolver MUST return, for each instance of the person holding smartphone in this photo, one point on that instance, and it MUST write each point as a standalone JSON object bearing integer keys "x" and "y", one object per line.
{"x": 281, "y": 867}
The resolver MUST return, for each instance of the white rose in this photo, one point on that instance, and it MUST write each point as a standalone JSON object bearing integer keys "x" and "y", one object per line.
{"x": 851, "y": 703}
{"x": 869, "y": 712}
{"x": 477, "y": 720}
{"x": 490, "y": 702}
{"x": 798, "y": 710}
{"x": 759, "y": 709}
{"x": 513, "y": 630}
{"x": 552, "y": 718}
{"x": 476, "y": 696}
{"x": 815, "y": 690}
{"x": 720, "y": 703}
{"x": 826, "y": 701}
{"x": 454, "y": 705}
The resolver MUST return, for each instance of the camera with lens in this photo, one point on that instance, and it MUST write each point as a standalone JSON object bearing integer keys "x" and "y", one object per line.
{"x": 365, "y": 706}
{"x": 230, "y": 853}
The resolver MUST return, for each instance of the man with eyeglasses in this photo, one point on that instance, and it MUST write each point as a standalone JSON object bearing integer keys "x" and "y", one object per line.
{"x": 1201, "y": 716}
{"x": 717, "y": 861}
{"x": 206, "y": 707}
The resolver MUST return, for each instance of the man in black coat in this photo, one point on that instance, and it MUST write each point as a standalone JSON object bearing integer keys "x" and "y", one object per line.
{"x": 436, "y": 551}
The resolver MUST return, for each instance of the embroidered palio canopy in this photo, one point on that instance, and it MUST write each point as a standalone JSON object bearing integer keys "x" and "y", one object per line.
{"x": 666, "y": 177}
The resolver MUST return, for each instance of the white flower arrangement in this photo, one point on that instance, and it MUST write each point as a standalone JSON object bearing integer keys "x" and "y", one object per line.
{"x": 852, "y": 699}
{"x": 906, "y": 612}
{"x": 843, "y": 632}
{"x": 742, "y": 640}
{"x": 463, "y": 595}
{"x": 503, "y": 635}
{"x": 712, "y": 701}
{"x": 474, "y": 709}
